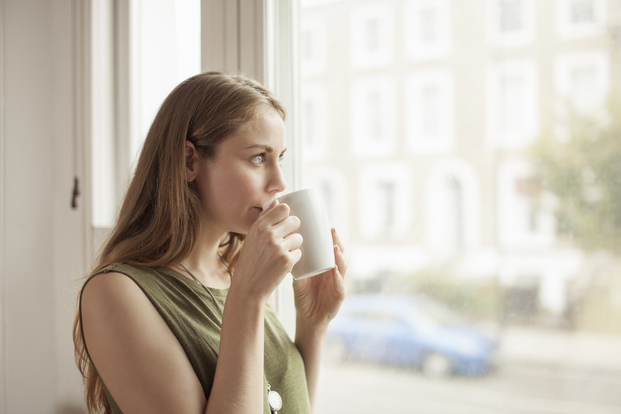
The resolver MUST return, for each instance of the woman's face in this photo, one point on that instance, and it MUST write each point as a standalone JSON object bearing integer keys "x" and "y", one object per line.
{"x": 244, "y": 176}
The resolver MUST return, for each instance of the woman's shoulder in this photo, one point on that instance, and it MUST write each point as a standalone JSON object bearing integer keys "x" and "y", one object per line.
{"x": 109, "y": 284}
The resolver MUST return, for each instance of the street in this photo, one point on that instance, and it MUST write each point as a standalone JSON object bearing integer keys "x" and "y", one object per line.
{"x": 365, "y": 388}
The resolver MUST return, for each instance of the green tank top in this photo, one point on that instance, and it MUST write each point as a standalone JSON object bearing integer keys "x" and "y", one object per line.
{"x": 195, "y": 320}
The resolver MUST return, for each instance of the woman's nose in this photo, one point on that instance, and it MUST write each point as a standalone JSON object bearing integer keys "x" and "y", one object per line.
{"x": 277, "y": 182}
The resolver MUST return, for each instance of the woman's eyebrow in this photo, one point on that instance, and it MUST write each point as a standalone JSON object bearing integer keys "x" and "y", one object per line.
{"x": 267, "y": 148}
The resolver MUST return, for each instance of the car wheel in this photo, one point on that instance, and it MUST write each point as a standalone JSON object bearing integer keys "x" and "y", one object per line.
{"x": 436, "y": 365}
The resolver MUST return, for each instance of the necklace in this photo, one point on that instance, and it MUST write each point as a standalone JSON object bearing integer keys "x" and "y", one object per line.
{"x": 273, "y": 397}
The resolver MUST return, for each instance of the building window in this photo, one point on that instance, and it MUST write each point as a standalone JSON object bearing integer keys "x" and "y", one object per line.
{"x": 313, "y": 46}
{"x": 512, "y": 105}
{"x": 452, "y": 194}
{"x": 511, "y": 16}
{"x": 580, "y": 18}
{"x": 373, "y": 124}
{"x": 581, "y": 11}
{"x": 522, "y": 223}
{"x": 427, "y": 29}
{"x": 511, "y": 22}
{"x": 314, "y": 121}
{"x": 429, "y": 112}
{"x": 583, "y": 80}
{"x": 371, "y": 36}
{"x": 385, "y": 201}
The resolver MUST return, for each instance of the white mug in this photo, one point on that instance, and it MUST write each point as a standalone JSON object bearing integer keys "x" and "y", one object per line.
{"x": 317, "y": 247}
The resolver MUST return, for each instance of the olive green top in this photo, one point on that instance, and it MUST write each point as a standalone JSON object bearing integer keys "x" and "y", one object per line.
{"x": 195, "y": 320}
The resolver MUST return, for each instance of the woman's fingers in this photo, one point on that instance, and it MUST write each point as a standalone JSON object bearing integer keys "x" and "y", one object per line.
{"x": 339, "y": 259}
{"x": 336, "y": 239}
{"x": 293, "y": 241}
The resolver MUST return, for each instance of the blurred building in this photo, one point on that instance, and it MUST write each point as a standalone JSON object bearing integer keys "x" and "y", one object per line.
{"x": 416, "y": 118}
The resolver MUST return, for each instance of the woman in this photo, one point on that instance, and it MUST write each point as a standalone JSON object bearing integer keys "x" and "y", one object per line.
{"x": 175, "y": 317}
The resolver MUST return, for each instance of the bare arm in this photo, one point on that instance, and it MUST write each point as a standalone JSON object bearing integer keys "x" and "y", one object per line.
{"x": 318, "y": 300}
{"x": 140, "y": 360}
{"x": 142, "y": 363}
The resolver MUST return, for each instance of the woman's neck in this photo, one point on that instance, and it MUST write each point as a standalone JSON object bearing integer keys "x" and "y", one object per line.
{"x": 205, "y": 264}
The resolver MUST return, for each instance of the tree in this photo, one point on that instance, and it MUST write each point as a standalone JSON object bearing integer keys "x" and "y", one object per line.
{"x": 583, "y": 173}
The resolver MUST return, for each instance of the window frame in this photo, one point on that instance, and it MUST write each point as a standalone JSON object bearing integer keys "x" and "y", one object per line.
{"x": 568, "y": 30}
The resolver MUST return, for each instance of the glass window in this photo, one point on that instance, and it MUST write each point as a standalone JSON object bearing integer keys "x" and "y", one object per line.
{"x": 427, "y": 29}
{"x": 372, "y": 118}
{"x": 371, "y": 36}
{"x": 511, "y": 22}
{"x": 583, "y": 79}
{"x": 429, "y": 106}
{"x": 157, "y": 46}
{"x": 455, "y": 196}
{"x": 580, "y": 18}
{"x": 513, "y": 104}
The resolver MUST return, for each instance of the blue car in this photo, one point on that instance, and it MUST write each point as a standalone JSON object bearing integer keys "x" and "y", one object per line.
{"x": 409, "y": 331}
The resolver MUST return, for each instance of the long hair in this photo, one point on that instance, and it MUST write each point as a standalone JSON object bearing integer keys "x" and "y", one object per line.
{"x": 158, "y": 223}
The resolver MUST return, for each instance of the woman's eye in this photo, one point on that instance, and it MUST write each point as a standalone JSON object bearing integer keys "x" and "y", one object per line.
{"x": 259, "y": 159}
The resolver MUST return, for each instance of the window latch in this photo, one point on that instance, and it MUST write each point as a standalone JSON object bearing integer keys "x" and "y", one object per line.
{"x": 75, "y": 193}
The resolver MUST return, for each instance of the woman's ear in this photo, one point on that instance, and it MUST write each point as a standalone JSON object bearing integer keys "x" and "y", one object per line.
{"x": 191, "y": 161}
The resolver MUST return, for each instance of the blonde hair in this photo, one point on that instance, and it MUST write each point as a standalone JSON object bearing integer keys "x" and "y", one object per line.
{"x": 158, "y": 223}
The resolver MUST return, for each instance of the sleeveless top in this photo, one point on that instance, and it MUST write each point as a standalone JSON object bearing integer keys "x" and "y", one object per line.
{"x": 195, "y": 320}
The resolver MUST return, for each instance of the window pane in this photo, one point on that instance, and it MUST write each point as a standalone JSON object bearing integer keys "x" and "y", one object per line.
{"x": 167, "y": 41}
{"x": 142, "y": 51}
{"x": 468, "y": 156}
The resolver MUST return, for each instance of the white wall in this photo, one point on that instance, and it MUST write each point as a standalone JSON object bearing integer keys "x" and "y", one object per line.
{"x": 42, "y": 237}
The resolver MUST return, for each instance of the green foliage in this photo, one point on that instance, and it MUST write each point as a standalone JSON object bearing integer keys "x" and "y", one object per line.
{"x": 583, "y": 173}
{"x": 477, "y": 299}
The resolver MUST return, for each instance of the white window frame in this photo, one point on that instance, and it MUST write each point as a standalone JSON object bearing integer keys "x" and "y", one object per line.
{"x": 3, "y": 316}
{"x": 417, "y": 142}
{"x": 397, "y": 173}
{"x": 257, "y": 38}
{"x": 315, "y": 145}
{"x": 363, "y": 145}
{"x": 522, "y": 37}
{"x": 566, "y": 29}
{"x": 512, "y": 209}
{"x": 316, "y": 28}
{"x": 360, "y": 57}
{"x": 416, "y": 48}
{"x": 496, "y": 137}
{"x": 563, "y": 67}
{"x": 435, "y": 201}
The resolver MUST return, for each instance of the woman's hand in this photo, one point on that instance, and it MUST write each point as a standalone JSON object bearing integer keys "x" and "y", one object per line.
{"x": 318, "y": 298}
{"x": 271, "y": 249}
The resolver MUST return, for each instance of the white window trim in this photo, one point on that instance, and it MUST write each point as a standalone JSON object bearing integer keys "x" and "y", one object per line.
{"x": 256, "y": 38}
{"x": 565, "y": 62}
{"x": 567, "y": 30}
{"x": 3, "y": 314}
{"x": 416, "y": 141}
{"x": 495, "y": 72}
{"x": 362, "y": 145}
{"x": 414, "y": 47}
{"x": 519, "y": 38}
{"x": 510, "y": 235}
{"x": 360, "y": 58}
{"x": 467, "y": 177}
{"x": 316, "y": 27}
{"x": 317, "y": 145}
{"x": 399, "y": 174}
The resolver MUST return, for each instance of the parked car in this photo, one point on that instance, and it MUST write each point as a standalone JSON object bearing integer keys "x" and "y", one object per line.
{"x": 410, "y": 331}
